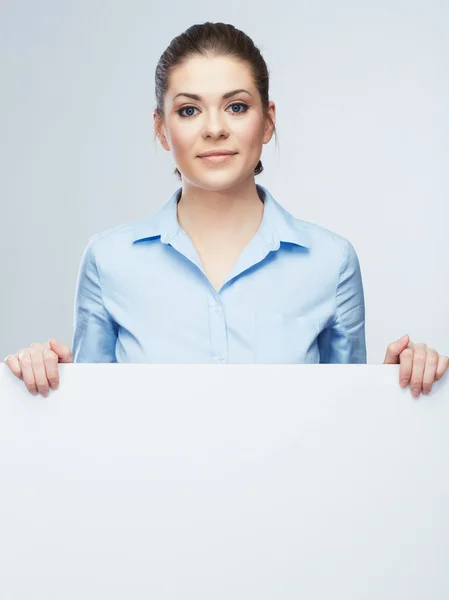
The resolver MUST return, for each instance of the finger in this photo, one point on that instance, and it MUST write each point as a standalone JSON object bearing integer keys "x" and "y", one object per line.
{"x": 13, "y": 363}
{"x": 63, "y": 351}
{"x": 443, "y": 364}
{"x": 24, "y": 357}
{"x": 51, "y": 367}
{"x": 394, "y": 350}
{"x": 40, "y": 373}
{"x": 419, "y": 363}
{"x": 405, "y": 370}
{"x": 429, "y": 370}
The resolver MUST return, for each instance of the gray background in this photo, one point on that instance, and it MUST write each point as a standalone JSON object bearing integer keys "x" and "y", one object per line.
{"x": 362, "y": 97}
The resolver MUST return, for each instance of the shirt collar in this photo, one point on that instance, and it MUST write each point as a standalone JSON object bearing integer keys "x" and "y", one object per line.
{"x": 278, "y": 225}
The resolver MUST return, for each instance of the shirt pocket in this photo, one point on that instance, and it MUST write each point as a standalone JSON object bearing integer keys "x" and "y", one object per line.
{"x": 281, "y": 338}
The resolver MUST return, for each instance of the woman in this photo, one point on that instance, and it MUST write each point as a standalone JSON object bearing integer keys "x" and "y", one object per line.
{"x": 221, "y": 273}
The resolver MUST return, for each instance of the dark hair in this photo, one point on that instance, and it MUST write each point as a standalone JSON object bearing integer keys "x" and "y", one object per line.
{"x": 213, "y": 39}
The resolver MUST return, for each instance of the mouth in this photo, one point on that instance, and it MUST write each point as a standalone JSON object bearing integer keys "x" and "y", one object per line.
{"x": 217, "y": 158}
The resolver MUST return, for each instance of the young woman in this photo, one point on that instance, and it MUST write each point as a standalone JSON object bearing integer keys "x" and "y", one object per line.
{"x": 221, "y": 273}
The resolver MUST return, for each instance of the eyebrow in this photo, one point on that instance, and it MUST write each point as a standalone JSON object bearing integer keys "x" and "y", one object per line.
{"x": 225, "y": 96}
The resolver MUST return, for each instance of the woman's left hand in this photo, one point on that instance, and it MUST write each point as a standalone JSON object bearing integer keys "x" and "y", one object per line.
{"x": 420, "y": 365}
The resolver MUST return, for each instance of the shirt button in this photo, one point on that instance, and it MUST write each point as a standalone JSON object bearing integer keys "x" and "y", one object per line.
{"x": 217, "y": 308}
{"x": 221, "y": 357}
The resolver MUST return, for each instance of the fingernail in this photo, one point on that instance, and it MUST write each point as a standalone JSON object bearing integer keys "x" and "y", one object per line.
{"x": 54, "y": 386}
{"x": 415, "y": 392}
{"x": 6, "y": 358}
{"x": 404, "y": 383}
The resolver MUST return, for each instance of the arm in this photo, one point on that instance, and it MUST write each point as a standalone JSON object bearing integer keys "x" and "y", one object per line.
{"x": 95, "y": 332}
{"x": 343, "y": 341}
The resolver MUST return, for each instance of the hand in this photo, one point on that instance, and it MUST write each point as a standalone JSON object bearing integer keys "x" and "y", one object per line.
{"x": 420, "y": 364}
{"x": 38, "y": 365}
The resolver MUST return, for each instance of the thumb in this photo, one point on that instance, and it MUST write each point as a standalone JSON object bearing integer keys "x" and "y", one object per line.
{"x": 395, "y": 348}
{"x": 63, "y": 351}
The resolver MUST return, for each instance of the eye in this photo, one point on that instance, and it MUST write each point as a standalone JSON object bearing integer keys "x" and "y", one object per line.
{"x": 245, "y": 106}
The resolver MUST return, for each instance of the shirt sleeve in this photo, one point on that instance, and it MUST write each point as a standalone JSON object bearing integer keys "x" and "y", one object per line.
{"x": 343, "y": 341}
{"x": 95, "y": 332}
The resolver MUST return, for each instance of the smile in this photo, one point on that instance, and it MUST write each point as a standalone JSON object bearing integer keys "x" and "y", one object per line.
{"x": 218, "y": 159}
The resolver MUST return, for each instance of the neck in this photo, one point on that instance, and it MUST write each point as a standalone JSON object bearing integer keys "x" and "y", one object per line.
{"x": 224, "y": 214}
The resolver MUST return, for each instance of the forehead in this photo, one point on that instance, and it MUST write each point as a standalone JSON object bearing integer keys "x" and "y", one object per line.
{"x": 210, "y": 77}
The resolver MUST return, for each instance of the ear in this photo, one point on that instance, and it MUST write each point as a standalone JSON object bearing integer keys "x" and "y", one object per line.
{"x": 269, "y": 127}
{"x": 159, "y": 130}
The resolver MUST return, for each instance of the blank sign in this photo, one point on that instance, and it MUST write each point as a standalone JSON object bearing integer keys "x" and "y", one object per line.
{"x": 220, "y": 482}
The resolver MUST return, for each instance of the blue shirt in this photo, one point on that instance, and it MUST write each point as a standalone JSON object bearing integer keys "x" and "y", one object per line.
{"x": 295, "y": 295}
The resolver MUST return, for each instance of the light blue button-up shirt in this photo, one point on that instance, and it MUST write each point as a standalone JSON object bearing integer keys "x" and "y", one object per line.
{"x": 295, "y": 295}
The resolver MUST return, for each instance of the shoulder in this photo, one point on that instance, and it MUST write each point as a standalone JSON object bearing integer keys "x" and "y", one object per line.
{"x": 320, "y": 234}
{"x": 113, "y": 242}
{"x": 328, "y": 243}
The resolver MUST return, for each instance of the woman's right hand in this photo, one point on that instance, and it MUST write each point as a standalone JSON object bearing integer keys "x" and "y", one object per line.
{"x": 38, "y": 365}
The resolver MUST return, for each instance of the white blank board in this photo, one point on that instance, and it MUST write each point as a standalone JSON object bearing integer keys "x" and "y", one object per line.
{"x": 195, "y": 482}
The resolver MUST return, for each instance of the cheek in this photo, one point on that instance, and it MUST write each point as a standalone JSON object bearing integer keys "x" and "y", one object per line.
{"x": 180, "y": 136}
{"x": 251, "y": 132}
{"x": 184, "y": 137}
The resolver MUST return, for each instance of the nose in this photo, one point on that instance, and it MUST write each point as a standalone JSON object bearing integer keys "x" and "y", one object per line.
{"x": 215, "y": 125}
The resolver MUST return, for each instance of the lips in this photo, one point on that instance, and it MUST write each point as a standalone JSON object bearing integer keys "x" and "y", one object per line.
{"x": 217, "y": 153}
{"x": 218, "y": 159}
